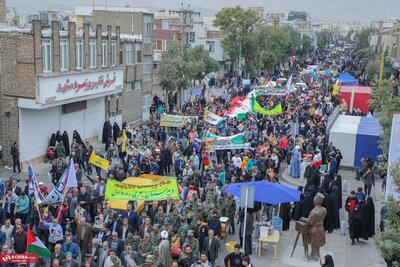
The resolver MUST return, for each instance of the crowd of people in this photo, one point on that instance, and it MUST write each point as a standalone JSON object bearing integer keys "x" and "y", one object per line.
{"x": 86, "y": 230}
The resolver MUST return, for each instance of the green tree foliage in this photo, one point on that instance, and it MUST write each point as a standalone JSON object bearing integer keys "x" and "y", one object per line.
{"x": 178, "y": 68}
{"x": 324, "y": 38}
{"x": 293, "y": 46}
{"x": 388, "y": 242}
{"x": 306, "y": 45}
{"x": 362, "y": 38}
{"x": 238, "y": 25}
{"x": 384, "y": 104}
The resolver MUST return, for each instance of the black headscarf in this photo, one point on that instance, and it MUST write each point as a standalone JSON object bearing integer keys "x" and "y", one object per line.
{"x": 107, "y": 131}
{"x": 65, "y": 140}
{"x": 328, "y": 261}
{"x": 77, "y": 137}
{"x": 368, "y": 211}
{"x": 52, "y": 140}
{"x": 116, "y": 131}
{"x": 58, "y": 136}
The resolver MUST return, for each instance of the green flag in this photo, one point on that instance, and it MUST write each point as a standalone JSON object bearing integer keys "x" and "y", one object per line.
{"x": 277, "y": 110}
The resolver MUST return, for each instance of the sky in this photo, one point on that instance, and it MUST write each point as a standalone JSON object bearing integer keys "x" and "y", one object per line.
{"x": 332, "y": 10}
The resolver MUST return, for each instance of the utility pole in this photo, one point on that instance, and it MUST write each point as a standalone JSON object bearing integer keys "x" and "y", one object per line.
{"x": 186, "y": 23}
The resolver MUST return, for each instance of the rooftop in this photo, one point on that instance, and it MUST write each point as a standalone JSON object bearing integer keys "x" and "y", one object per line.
{"x": 87, "y": 10}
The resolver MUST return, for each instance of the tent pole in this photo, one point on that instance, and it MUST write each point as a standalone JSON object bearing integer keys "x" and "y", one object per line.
{"x": 245, "y": 218}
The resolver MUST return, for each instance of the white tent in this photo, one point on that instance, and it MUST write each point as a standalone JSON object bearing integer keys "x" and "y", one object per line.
{"x": 343, "y": 136}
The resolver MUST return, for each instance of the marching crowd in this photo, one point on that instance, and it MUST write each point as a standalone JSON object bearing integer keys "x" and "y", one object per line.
{"x": 86, "y": 231}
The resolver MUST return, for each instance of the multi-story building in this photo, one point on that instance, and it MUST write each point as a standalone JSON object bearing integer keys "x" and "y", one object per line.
{"x": 166, "y": 30}
{"x": 209, "y": 36}
{"x": 136, "y": 56}
{"x": 386, "y": 38}
{"x": 66, "y": 80}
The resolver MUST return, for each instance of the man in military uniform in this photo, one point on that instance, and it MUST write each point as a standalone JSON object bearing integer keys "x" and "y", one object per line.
{"x": 182, "y": 232}
{"x": 212, "y": 194}
{"x": 173, "y": 218}
{"x": 200, "y": 231}
{"x": 221, "y": 207}
{"x": 145, "y": 246}
{"x": 148, "y": 262}
{"x": 136, "y": 241}
{"x": 201, "y": 213}
{"x": 230, "y": 213}
{"x": 158, "y": 259}
{"x": 167, "y": 227}
{"x": 160, "y": 216}
{"x": 155, "y": 235}
{"x": 129, "y": 241}
{"x": 208, "y": 205}
{"x": 193, "y": 243}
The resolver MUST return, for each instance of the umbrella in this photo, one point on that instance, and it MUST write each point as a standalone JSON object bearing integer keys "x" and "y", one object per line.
{"x": 267, "y": 192}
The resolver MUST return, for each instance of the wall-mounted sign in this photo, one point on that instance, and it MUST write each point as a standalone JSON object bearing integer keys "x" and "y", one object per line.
{"x": 67, "y": 86}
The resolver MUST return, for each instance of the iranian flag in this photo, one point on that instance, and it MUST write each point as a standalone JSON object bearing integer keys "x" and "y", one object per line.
{"x": 36, "y": 246}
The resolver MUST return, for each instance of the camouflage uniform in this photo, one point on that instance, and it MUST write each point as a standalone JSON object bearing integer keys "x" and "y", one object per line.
{"x": 145, "y": 247}
{"x": 155, "y": 237}
{"x": 136, "y": 241}
{"x": 193, "y": 243}
{"x": 159, "y": 218}
{"x": 183, "y": 230}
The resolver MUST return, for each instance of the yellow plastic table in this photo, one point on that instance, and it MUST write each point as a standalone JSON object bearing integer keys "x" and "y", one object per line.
{"x": 270, "y": 239}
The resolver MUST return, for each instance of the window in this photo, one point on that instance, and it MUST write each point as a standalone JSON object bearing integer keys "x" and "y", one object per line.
{"x": 211, "y": 46}
{"x": 148, "y": 65}
{"x": 146, "y": 104}
{"x": 113, "y": 53}
{"x": 128, "y": 87}
{"x": 160, "y": 45}
{"x": 73, "y": 107}
{"x": 47, "y": 57}
{"x": 104, "y": 54}
{"x": 79, "y": 54}
{"x": 129, "y": 54}
{"x": 138, "y": 85}
{"x": 165, "y": 25}
{"x": 92, "y": 52}
{"x": 63, "y": 54}
{"x": 138, "y": 53}
{"x": 148, "y": 29}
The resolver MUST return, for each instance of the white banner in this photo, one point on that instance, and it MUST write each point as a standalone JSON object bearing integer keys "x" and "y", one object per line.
{"x": 232, "y": 146}
{"x": 211, "y": 118}
{"x": 394, "y": 155}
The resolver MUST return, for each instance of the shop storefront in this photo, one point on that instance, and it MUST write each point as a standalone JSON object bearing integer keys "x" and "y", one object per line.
{"x": 65, "y": 102}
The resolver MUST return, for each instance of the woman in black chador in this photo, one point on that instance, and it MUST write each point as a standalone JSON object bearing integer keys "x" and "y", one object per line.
{"x": 65, "y": 140}
{"x": 77, "y": 137}
{"x": 116, "y": 131}
{"x": 107, "y": 131}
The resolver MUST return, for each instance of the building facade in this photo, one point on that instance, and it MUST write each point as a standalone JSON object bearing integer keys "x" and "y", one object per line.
{"x": 136, "y": 56}
{"x": 56, "y": 80}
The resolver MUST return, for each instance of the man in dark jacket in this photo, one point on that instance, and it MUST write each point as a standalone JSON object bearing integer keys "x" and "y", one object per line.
{"x": 211, "y": 246}
{"x": 235, "y": 258}
{"x": 14, "y": 151}
{"x": 132, "y": 217}
{"x": 20, "y": 240}
{"x": 58, "y": 253}
{"x": 215, "y": 224}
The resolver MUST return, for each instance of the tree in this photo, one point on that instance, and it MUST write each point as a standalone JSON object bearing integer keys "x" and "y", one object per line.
{"x": 293, "y": 46}
{"x": 306, "y": 45}
{"x": 271, "y": 44}
{"x": 324, "y": 38}
{"x": 384, "y": 104}
{"x": 388, "y": 242}
{"x": 173, "y": 69}
{"x": 362, "y": 38}
{"x": 200, "y": 62}
{"x": 238, "y": 25}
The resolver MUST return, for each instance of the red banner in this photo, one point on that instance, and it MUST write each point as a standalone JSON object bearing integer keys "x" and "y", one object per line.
{"x": 18, "y": 258}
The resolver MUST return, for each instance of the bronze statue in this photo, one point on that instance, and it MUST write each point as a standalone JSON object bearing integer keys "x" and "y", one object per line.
{"x": 316, "y": 221}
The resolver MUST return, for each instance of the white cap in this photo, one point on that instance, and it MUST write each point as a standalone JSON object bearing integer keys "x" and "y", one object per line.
{"x": 164, "y": 234}
{"x": 40, "y": 183}
{"x": 297, "y": 147}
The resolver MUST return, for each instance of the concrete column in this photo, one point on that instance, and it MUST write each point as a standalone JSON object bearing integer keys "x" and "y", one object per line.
{"x": 37, "y": 46}
{"x": 109, "y": 45}
{"x": 98, "y": 44}
{"x": 117, "y": 33}
{"x": 55, "y": 33}
{"x": 86, "y": 54}
{"x": 72, "y": 45}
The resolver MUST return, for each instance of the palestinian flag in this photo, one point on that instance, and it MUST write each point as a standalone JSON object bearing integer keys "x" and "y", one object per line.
{"x": 36, "y": 246}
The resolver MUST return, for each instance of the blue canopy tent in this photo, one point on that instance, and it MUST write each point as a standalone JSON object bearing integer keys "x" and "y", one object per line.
{"x": 267, "y": 192}
{"x": 347, "y": 79}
